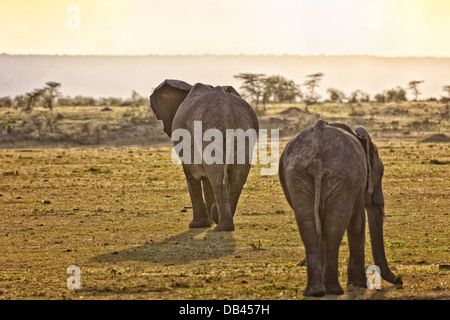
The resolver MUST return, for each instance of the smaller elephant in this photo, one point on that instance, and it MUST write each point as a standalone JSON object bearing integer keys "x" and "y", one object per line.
{"x": 330, "y": 176}
{"x": 214, "y": 187}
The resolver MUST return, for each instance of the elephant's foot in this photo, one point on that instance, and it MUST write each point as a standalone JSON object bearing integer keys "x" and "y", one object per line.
{"x": 200, "y": 223}
{"x": 335, "y": 289}
{"x": 224, "y": 226}
{"x": 357, "y": 274}
{"x": 314, "y": 290}
{"x": 361, "y": 283}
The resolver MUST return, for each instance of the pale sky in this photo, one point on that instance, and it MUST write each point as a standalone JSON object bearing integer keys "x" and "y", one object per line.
{"x": 305, "y": 27}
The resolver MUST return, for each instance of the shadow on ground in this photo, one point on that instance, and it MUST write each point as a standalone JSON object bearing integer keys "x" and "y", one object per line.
{"x": 192, "y": 245}
{"x": 356, "y": 293}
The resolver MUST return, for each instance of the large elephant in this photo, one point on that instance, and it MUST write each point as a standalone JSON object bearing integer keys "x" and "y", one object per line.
{"x": 330, "y": 175}
{"x": 183, "y": 106}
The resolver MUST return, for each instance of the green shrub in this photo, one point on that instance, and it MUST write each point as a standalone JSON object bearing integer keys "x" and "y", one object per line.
{"x": 9, "y": 128}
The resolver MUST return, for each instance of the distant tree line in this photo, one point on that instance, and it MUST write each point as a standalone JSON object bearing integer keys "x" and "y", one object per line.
{"x": 46, "y": 96}
{"x": 50, "y": 96}
{"x": 262, "y": 89}
{"x": 134, "y": 101}
{"x": 257, "y": 88}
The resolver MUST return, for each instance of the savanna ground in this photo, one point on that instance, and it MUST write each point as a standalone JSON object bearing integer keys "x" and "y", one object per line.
{"x": 118, "y": 212}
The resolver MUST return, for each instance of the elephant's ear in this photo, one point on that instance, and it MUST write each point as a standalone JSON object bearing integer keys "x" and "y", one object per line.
{"x": 231, "y": 90}
{"x": 375, "y": 166}
{"x": 343, "y": 127}
{"x": 166, "y": 99}
{"x": 365, "y": 139}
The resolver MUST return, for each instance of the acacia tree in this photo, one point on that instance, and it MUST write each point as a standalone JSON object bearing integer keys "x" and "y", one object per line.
{"x": 50, "y": 93}
{"x": 260, "y": 88}
{"x": 20, "y": 101}
{"x": 312, "y": 82}
{"x": 291, "y": 91}
{"x": 414, "y": 87}
{"x": 31, "y": 98}
{"x": 270, "y": 89}
{"x": 396, "y": 95}
{"x": 280, "y": 89}
{"x": 253, "y": 86}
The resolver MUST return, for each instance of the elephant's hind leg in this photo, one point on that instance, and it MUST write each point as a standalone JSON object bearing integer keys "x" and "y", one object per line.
{"x": 210, "y": 201}
{"x": 356, "y": 241}
{"x": 304, "y": 214}
{"x": 219, "y": 180}
{"x": 334, "y": 225}
{"x": 238, "y": 177}
{"x": 225, "y": 217}
{"x": 200, "y": 219}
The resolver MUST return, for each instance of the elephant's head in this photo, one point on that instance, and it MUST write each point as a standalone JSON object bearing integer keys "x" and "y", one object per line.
{"x": 166, "y": 99}
{"x": 375, "y": 204}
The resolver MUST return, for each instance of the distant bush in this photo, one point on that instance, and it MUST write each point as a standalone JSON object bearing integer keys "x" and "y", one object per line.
{"x": 6, "y": 102}
{"x": 336, "y": 95}
{"x": 397, "y": 94}
{"x": 110, "y": 101}
{"x": 380, "y": 97}
{"x": 261, "y": 88}
{"x": 49, "y": 96}
{"x": 9, "y": 128}
{"x": 358, "y": 96}
{"x": 135, "y": 101}
{"x": 77, "y": 101}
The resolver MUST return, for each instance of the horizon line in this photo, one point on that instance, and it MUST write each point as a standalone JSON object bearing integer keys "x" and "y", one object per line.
{"x": 219, "y": 55}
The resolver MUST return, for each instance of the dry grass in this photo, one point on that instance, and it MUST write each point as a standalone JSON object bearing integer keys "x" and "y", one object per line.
{"x": 79, "y": 126}
{"x": 116, "y": 213}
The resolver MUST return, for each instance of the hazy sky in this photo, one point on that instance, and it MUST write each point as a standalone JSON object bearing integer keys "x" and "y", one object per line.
{"x": 378, "y": 27}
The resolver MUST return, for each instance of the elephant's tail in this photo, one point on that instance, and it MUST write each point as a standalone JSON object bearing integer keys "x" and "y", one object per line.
{"x": 225, "y": 175}
{"x": 317, "y": 173}
{"x": 317, "y": 191}
{"x": 224, "y": 188}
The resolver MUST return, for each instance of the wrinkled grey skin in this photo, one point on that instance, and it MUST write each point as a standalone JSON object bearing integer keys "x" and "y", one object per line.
{"x": 330, "y": 175}
{"x": 178, "y": 105}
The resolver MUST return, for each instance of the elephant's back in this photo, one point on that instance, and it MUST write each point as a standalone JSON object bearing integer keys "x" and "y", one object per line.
{"x": 336, "y": 153}
{"x": 216, "y": 109}
{"x": 340, "y": 149}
